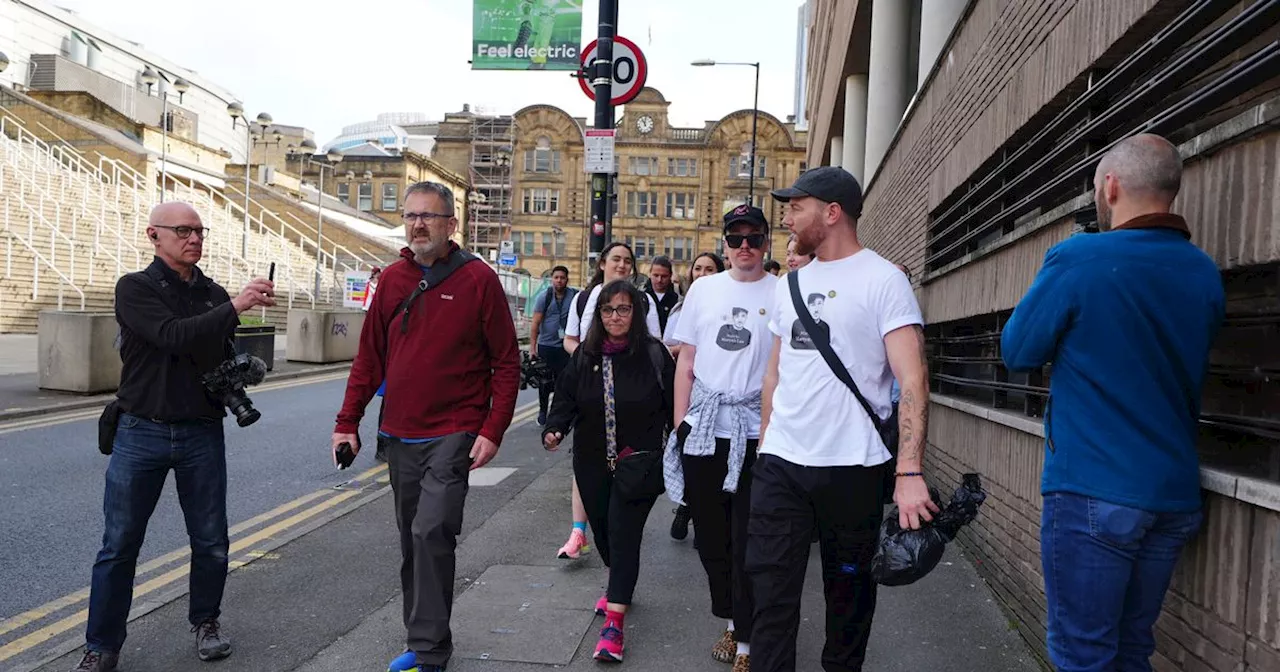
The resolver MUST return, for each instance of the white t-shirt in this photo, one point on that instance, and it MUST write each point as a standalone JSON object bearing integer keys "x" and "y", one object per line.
{"x": 728, "y": 322}
{"x": 673, "y": 318}
{"x": 816, "y": 420}
{"x": 579, "y": 324}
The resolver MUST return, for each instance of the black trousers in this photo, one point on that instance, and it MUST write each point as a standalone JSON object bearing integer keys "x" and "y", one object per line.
{"x": 616, "y": 523}
{"x": 429, "y": 481}
{"x": 721, "y": 520}
{"x": 786, "y": 500}
{"x": 556, "y": 359}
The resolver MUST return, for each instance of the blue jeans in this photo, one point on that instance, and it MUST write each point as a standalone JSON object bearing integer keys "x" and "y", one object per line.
{"x": 143, "y": 453}
{"x": 1106, "y": 570}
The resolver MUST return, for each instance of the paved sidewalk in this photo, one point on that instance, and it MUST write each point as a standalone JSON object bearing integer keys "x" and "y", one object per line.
{"x": 21, "y": 396}
{"x": 522, "y": 610}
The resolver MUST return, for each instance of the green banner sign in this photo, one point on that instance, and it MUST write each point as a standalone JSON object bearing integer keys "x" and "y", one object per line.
{"x": 527, "y": 35}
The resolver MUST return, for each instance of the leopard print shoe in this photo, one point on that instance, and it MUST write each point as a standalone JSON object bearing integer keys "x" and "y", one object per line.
{"x": 725, "y": 649}
{"x": 742, "y": 664}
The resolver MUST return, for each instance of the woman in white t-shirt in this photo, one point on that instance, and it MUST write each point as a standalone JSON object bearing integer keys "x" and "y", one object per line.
{"x": 707, "y": 263}
{"x": 617, "y": 262}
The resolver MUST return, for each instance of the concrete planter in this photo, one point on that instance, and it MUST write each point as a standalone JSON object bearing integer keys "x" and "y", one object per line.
{"x": 323, "y": 336}
{"x": 77, "y": 351}
{"x": 258, "y": 340}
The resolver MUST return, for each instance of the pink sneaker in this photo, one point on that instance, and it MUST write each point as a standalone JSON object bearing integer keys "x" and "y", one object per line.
{"x": 602, "y": 604}
{"x": 609, "y": 650}
{"x": 572, "y": 549}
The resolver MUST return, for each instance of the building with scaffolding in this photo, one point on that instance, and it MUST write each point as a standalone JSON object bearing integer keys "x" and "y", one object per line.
{"x": 480, "y": 146}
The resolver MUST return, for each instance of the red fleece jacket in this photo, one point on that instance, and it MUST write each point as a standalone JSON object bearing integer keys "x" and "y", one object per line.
{"x": 456, "y": 369}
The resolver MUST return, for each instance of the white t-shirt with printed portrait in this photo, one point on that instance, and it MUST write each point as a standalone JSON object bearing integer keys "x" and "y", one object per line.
{"x": 578, "y": 327}
{"x": 816, "y": 420}
{"x": 728, "y": 322}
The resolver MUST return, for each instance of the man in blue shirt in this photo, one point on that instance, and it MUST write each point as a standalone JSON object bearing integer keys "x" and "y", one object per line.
{"x": 550, "y": 320}
{"x": 1127, "y": 318}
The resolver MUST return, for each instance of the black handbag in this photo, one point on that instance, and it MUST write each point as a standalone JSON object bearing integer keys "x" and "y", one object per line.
{"x": 108, "y": 422}
{"x": 888, "y": 428}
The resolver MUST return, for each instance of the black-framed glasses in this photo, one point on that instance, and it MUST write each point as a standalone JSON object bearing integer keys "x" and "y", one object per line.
{"x": 185, "y": 232}
{"x": 608, "y": 311}
{"x": 754, "y": 240}
{"x": 425, "y": 217}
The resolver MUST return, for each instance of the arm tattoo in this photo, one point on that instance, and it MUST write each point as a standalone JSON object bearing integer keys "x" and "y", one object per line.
{"x": 913, "y": 411}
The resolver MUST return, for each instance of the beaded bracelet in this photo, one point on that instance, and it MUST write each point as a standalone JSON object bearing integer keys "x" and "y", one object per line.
{"x": 908, "y": 473}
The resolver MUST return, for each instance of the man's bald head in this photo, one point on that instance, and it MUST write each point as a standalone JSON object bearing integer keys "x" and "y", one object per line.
{"x": 166, "y": 214}
{"x": 1140, "y": 175}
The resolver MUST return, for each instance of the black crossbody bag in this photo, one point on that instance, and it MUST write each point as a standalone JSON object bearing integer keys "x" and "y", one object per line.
{"x": 887, "y": 429}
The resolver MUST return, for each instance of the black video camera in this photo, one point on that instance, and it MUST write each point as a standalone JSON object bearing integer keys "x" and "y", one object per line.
{"x": 227, "y": 383}
{"x": 534, "y": 372}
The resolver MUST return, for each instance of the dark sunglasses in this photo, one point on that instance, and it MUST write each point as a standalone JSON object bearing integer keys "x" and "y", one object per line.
{"x": 754, "y": 240}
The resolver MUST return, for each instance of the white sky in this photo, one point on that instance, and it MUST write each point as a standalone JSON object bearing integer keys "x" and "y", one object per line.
{"x": 323, "y": 65}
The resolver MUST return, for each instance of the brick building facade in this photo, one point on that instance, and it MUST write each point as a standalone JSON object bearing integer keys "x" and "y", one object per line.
{"x": 985, "y": 163}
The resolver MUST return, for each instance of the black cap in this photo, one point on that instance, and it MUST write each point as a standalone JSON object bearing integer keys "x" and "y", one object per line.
{"x": 746, "y": 214}
{"x": 832, "y": 184}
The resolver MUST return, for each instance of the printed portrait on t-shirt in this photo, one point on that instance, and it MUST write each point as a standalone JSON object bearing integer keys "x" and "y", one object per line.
{"x": 800, "y": 339}
{"x": 735, "y": 335}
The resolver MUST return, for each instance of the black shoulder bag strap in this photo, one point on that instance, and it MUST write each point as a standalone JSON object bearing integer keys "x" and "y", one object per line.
{"x": 431, "y": 277}
{"x": 823, "y": 342}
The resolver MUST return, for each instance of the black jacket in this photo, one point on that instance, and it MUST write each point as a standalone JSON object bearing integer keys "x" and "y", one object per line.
{"x": 643, "y": 405}
{"x": 171, "y": 333}
{"x": 668, "y": 301}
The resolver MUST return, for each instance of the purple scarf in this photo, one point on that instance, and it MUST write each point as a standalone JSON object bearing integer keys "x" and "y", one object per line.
{"x": 611, "y": 348}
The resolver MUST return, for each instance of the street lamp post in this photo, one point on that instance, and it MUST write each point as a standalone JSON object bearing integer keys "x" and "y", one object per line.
{"x": 236, "y": 110}
{"x": 150, "y": 78}
{"x": 755, "y": 118}
{"x": 332, "y": 159}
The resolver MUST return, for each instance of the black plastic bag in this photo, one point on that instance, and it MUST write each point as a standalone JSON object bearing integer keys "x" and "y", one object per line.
{"x": 905, "y": 556}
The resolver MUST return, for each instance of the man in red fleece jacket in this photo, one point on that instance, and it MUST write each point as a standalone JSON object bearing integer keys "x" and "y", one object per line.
{"x": 451, "y": 362}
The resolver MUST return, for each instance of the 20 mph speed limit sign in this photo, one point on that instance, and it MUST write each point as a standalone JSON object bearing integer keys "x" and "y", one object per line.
{"x": 629, "y": 70}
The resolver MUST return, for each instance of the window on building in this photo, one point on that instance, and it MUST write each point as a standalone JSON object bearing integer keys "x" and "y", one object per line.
{"x": 523, "y": 242}
{"x": 548, "y": 244}
{"x": 541, "y": 201}
{"x": 681, "y": 205}
{"x": 542, "y": 158}
{"x": 678, "y": 248}
{"x": 344, "y": 192}
{"x": 734, "y": 201}
{"x": 561, "y": 244}
{"x": 644, "y": 165}
{"x": 642, "y": 204}
{"x": 682, "y": 167}
{"x": 740, "y": 164}
{"x": 366, "y": 197}
{"x": 389, "y": 203}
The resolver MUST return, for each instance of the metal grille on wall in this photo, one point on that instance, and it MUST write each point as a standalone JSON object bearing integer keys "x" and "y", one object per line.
{"x": 1240, "y": 415}
{"x": 1205, "y": 65}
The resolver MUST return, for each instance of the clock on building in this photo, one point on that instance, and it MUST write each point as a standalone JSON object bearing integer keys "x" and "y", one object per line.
{"x": 645, "y": 124}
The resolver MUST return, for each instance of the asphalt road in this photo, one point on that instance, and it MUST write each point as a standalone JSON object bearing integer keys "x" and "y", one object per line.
{"x": 51, "y": 480}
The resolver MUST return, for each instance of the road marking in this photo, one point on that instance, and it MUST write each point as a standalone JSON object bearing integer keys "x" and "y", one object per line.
{"x": 79, "y": 618}
{"x": 40, "y": 422}
{"x": 374, "y": 475}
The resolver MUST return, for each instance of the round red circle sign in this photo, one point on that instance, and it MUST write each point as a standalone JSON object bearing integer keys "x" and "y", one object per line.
{"x": 630, "y": 70}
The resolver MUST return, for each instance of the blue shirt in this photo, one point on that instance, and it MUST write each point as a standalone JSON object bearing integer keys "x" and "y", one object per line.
{"x": 555, "y": 315}
{"x": 1127, "y": 318}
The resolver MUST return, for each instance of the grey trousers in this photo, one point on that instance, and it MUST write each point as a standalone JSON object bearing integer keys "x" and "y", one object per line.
{"x": 430, "y": 485}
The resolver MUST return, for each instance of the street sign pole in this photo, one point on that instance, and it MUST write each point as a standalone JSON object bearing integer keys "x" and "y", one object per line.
{"x": 601, "y": 73}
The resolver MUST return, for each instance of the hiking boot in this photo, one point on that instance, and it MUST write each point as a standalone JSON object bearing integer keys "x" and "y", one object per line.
{"x": 97, "y": 661}
{"x": 742, "y": 664}
{"x": 725, "y": 649}
{"x": 211, "y": 644}
{"x": 680, "y": 524}
{"x": 609, "y": 650}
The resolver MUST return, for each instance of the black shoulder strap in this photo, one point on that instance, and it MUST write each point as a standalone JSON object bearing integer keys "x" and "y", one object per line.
{"x": 655, "y": 357}
{"x": 823, "y": 342}
{"x": 430, "y": 278}
{"x": 581, "y": 301}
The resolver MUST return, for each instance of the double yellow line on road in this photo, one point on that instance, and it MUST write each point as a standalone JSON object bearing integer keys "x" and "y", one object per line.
{"x": 242, "y": 549}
